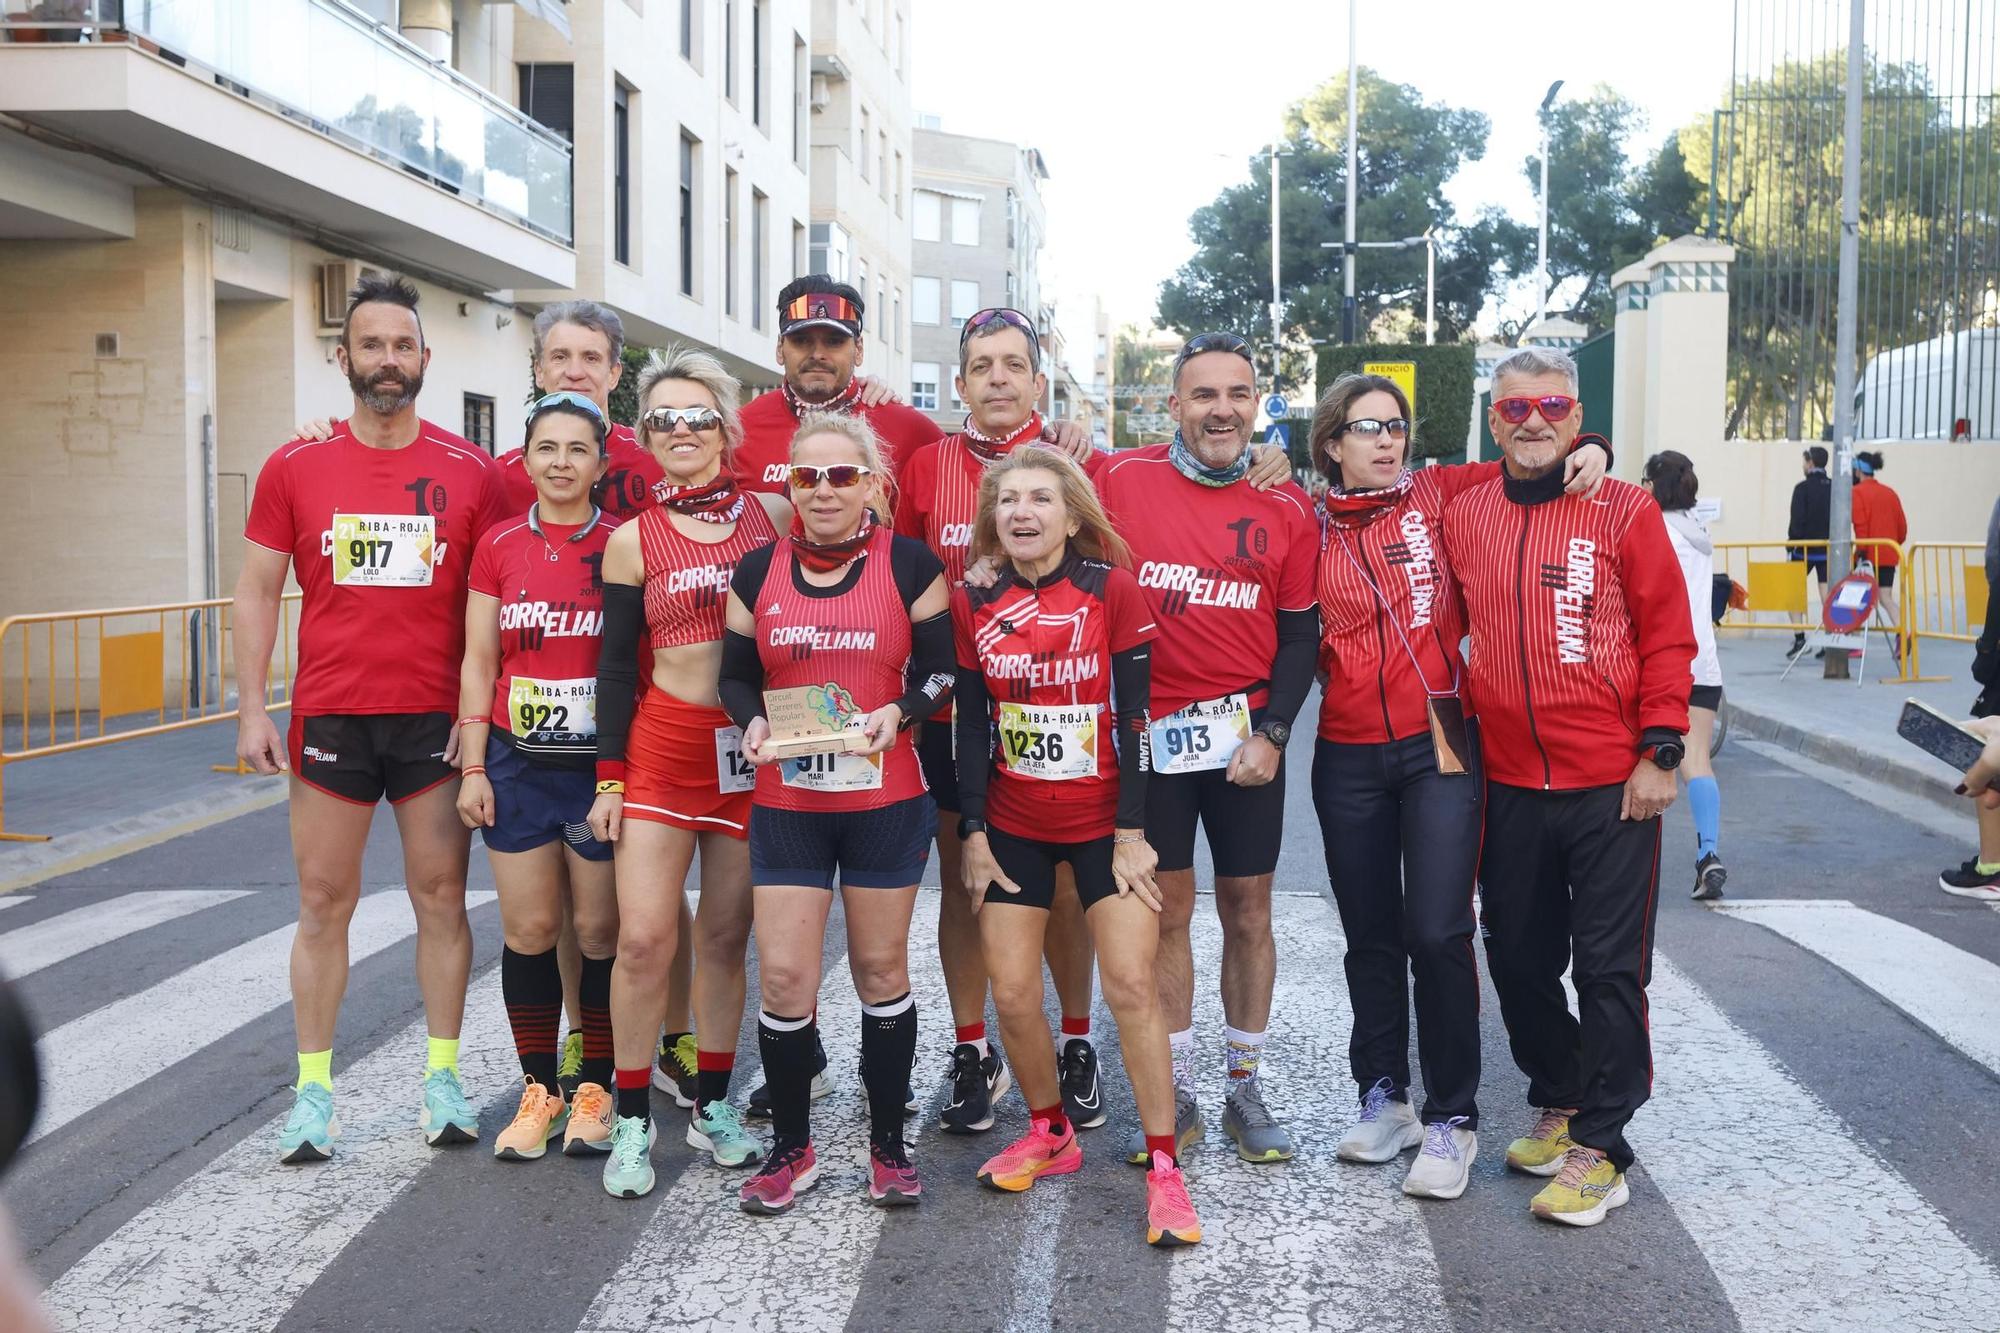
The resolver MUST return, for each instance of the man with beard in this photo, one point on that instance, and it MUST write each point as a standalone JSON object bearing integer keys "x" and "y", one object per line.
{"x": 379, "y": 522}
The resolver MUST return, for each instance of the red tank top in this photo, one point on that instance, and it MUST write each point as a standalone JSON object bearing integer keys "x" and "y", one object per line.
{"x": 858, "y": 638}
{"x": 687, "y": 582}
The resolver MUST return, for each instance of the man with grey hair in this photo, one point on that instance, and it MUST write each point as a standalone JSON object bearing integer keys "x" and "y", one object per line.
{"x": 1579, "y": 671}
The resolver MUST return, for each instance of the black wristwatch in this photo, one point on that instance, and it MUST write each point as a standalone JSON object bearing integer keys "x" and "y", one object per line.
{"x": 1278, "y": 733}
{"x": 1667, "y": 754}
{"x": 968, "y": 827}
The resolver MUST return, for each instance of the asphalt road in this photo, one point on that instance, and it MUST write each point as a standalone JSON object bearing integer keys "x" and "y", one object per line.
{"x": 1813, "y": 1157}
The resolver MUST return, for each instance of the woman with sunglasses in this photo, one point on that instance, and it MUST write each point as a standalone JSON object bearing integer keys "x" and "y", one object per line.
{"x": 1042, "y": 652}
{"x": 527, "y": 717}
{"x": 672, "y": 779}
{"x": 831, "y": 617}
{"x": 1396, "y": 774}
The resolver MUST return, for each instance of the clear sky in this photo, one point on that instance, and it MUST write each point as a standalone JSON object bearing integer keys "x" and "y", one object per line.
{"x": 1145, "y": 109}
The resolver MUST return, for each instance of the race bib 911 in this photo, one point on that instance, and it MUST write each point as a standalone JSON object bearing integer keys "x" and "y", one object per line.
{"x": 384, "y": 550}
{"x": 833, "y": 772}
{"x": 1202, "y": 736}
{"x": 1049, "y": 741}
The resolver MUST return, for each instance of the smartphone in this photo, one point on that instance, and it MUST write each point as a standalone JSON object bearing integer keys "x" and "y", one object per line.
{"x": 1931, "y": 731}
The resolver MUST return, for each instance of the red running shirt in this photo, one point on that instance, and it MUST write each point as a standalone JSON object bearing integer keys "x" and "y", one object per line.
{"x": 687, "y": 582}
{"x": 549, "y": 579}
{"x": 768, "y": 427}
{"x": 628, "y": 477}
{"x": 1045, "y": 652}
{"x": 1217, "y": 564}
{"x": 380, "y": 541}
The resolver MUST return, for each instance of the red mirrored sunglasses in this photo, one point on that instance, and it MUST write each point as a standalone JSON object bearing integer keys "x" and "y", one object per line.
{"x": 1554, "y": 408}
{"x": 820, "y": 305}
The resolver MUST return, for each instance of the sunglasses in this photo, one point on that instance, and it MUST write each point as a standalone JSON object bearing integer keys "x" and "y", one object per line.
{"x": 1366, "y": 428}
{"x": 820, "y": 305}
{"x": 840, "y": 476}
{"x": 1555, "y": 408}
{"x": 1005, "y": 316}
{"x": 664, "y": 419}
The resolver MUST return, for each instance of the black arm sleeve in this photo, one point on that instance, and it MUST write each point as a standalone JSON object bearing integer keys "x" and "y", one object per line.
{"x": 1292, "y": 667}
{"x": 740, "y": 687}
{"x": 930, "y": 673}
{"x": 1132, "y": 678}
{"x": 916, "y": 566}
{"x": 618, "y": 668}
{"x": 975, "y": 742}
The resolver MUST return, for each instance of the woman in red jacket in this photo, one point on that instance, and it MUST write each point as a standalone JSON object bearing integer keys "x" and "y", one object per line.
{"x": 1397, "y": 779}
{"x": 1878, "y": 513}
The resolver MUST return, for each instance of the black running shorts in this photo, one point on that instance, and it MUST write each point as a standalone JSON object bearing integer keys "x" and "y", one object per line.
{"x": 1032, "y": 865}
{"x": 1243, "y": 825}
{"x": 884, "y": 848}
{"x": 362, "y": 757}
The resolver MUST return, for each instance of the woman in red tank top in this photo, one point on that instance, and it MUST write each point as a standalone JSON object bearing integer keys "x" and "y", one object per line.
{"x": 672, "y": 779}
{"x": 835, "y": 615}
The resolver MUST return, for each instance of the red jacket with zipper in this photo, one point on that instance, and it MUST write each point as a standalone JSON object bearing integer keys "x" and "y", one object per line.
{"x": 1373, "y": 693}
{"x": 1581, "y": 638}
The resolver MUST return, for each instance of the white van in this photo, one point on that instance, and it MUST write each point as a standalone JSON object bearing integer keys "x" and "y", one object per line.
{"x": 1942, "y": 389}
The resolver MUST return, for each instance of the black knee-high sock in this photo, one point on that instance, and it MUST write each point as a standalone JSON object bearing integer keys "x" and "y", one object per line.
{"x": 788, "y": 1046}
{"x": 531, "y": 985}
{"x": 888, "y": 1049}
{"x": 595, "y": 997}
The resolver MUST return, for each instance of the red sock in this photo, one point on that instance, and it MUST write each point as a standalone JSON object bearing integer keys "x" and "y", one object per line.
{"x": 970, "y": 1032}
{"x": 1076, "y": 1027}
{"x": 1058, "y": 1122}
{"x": 1161, "y": 1143}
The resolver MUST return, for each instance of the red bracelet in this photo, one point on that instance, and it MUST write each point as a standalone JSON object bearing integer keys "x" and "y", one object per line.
{"x": 468, "y": 772}
{"x": 466, "y": 721}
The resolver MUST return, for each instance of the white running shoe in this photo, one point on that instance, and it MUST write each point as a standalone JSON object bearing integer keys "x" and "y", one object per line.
{"x": 1385, "y": 1129}
{"x": 1445, "y": 1165}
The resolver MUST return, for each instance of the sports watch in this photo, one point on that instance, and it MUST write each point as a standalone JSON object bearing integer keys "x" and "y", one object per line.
{"x": 1278, "y": 733}
{"x": 968, "y": 827}
{"x": 1667, "y": 754}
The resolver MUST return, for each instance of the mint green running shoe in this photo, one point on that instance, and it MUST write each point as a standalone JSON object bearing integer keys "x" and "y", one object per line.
{"x": 717, "y": 1129}
{"x": 310, "y": 1130}
{"x": 628, "y": 1171}
{"x": 447, "y": 1117}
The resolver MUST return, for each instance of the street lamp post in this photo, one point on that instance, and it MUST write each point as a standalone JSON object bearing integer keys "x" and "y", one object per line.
{"x": 1542, "y": 241}
{"x": 1277, "y": 297}
{"x": 1429, "y": 241}
{"x": 1347, "y": 301}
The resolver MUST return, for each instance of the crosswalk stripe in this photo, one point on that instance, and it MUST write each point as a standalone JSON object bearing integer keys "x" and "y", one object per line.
{"x": 28, "y": 950}
{"x": 1953, "y": 993}
{"x": 1804, "y": 1226}
{"x": 111, "y": 1050}
{"x": 15, "y": 899}
{"x": 1276, "y": 1212}
{"x": 800, "y": 1271}
{"x": 237, "y": 1243}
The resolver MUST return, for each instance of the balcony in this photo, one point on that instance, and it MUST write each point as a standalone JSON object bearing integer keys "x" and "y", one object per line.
{"x": 249, "y": 98}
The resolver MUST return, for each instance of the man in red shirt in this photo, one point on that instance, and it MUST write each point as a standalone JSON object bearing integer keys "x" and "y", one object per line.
{"x": 1579, "y": 670}
{"x": 580, "y": 347}
{"x": 378, "y": 522}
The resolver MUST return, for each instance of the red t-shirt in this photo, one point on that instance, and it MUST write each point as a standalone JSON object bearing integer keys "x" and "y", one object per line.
{"x": 380, "y": 542}
{"x": 1217, "y": 564}
{"x": 628, "y": 476}
{"x": 769, "y": 424}
{"x": 1045, "y": 653}
{"x": 549, "y": 579}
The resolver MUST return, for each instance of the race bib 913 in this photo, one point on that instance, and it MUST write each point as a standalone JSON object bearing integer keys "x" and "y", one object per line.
{"x": 1202, "y": 736}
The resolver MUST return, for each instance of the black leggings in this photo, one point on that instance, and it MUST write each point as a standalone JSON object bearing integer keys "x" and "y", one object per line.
{"x": 1402, "y": 850}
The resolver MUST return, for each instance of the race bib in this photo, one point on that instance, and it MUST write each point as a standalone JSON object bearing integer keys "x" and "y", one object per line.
{"x": 1049, "y": 741}
{"x": 553, "y": 708}
{"x": 732, "y": 771}
{"x": 833, "y": 772}
{"x": 1201, "y": 736}
{"x": 384, "y": 550}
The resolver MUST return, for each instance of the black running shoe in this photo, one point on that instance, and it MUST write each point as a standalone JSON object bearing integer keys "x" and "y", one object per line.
{"x": 759, "y": 1107}
{"x": 976, "y": 1083}
{"x": 1709, "y": 877}
{"x": 1967, "y": 882}
{"x": 1082, "y": 1094}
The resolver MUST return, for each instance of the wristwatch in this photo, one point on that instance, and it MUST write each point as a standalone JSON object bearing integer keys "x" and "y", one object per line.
{"x": 968, "y": 827}
{"x": 1278, "y": 733}
{"x": 1667, "y": 754}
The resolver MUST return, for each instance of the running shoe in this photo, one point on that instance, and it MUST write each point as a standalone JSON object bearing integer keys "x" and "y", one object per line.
{"x": 1259, "y": 1137}
{"x": 717, "y": 1130}
{"x": 787, "y": 1173}
{"x": 1585, "y": 1188}
{"x": 892, "y": 1179}
{"x": 1082, "y": 1093}
{"x": 976, "y": 1083}
{"x": 822, "y": 1085}
{"x": 676, "y": 1070}
{"x": 1188, "y": 1130}
{"x": 1445, "y": 1165}
{"x": 540, "y": 1117}
{"x": 1170, "y": 1218}
{"x": 569, "y": 1072}
{"x": 311, "y": 1128}
{"x": 628, "y": 1171}
{"x": 861, "y": 1072}
{"x": 447, "y": 1117}
{"x": 1386, "y": 1128}
{"x": 1035, "y": 1154}
{"x": 1967, "y": 882}
{"x": 1540, "y": 1152}
{"x": 589, "y": 1121}
{"x": 1709, "y": 877}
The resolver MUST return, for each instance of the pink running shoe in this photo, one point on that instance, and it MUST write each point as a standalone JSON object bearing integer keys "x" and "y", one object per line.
{"x": 784, "y": 1176}
{"x": 1170, "y": 1218}
{"x": 892, "y": 1180}
{"x": 1035, "y": 1154}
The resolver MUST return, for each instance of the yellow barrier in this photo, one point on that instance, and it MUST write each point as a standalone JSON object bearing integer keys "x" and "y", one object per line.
{"x": 1777, "y": 586}
{"x": 1944, "y": 596}
{"x": 90, "y": 678}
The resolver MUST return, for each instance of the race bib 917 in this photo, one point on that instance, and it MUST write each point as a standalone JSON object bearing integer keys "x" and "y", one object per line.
{"x": 1201, "y": 736}
{"x": 833, "y": 772}
{"x": 1050, "y": 742}
{"x": 552, "y": 709}
{"x": 384, "y": 550}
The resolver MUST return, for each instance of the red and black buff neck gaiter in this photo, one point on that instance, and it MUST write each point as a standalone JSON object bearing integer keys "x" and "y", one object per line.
{"x": 825, "y": 557}
{"x": 841, "y": 404}
{"x": 717, "y": 501}
{"x": 990, "y": 448}
{"x": 1357, "y": 509}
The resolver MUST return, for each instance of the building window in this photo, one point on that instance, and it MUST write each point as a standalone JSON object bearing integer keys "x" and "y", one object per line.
{"x": 829, "y": 250}
{"x": 965, "y": 222}
{"x": 882, "y": 159}
{"x": 925, "y": 298}
{"x": 621, "y": 174}
{"x": 899, "y": 182}
{"x": 926, "y": 216}
{"x": 687, "y": 214}
{"x": 964, "y": 301}
{"x": 861, "y": 285}
{"x": 896, "y": 322}
{"x": 729, "y": 242}
{"x": 479, "y": 420}
{"x": 924, "y": 385}
{"x": 687, "y": 31}
{"x": 801, "y": 87}
{"x": 881, "y": 308}
{"x": 760, "y": 243}
{"x": 896, "y": 46}
{"x": 799, "y": 269}
{"x": 757, "y": 62}
{"x": 867, "y": 142}
{"x": 729, "y": 50}
{"x": 548, "y": 95}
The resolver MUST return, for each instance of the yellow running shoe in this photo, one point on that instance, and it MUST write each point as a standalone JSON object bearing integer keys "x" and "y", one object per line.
{"x": 1584, "y": 1190}
{"x": 589, "y": 1121}
{"x": 570, "y": 1069}
{"x": 1540, "y": 1153}
{"x": 675, "y": 1071}
{"x": 541, "y": 1117}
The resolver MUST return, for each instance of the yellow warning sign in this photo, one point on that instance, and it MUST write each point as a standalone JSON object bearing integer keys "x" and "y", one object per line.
{"x": 1403, "y": 373}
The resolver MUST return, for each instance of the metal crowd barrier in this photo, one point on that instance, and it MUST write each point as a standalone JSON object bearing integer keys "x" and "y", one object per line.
{"x": 1782, "y": 593}
{"x": 1944, "y": 597}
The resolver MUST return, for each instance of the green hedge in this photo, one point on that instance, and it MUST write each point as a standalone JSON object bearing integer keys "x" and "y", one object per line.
{"x": 1444, "y": 390}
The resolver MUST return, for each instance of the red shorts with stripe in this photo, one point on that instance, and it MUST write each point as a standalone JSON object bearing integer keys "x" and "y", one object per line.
{"x": 676, "y": 759}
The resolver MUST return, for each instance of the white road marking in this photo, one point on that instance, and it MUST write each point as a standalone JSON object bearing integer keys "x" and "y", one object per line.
{"x": 1804, "y": 1226}
{"x": 15, "y": 900}
{"x": 28, "y": 950}
{"x": 90, "y": 1060}
{"x": 1953, "y": 993}
{"x": 236, "y": 1244}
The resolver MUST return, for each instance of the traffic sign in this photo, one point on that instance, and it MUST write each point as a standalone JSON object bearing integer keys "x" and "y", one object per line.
{"x": 1276, "y": 408}
{"x": 1402, "y": 373}
{"x": 1848, "y": 603}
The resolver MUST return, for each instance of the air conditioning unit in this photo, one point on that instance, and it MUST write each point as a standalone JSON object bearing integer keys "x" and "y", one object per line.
{"x": 336, "y": 280}
{"x": 822, "y": 92}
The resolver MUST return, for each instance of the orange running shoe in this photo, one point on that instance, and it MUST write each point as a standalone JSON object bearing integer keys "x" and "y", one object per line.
{"x": 589, "y": 1121}
{"x": 541, "y": 1117}
{"x": 1035, "y": 1154}
{"x": 1170, "y": 1218}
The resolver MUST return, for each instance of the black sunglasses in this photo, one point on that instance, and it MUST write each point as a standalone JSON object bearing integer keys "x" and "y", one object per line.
{"x": 1213, "y": 342}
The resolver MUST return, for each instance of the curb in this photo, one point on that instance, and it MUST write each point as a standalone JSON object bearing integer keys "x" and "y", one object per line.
{"x": 1927, "y": 782}
{"x": 32, "y": 863}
